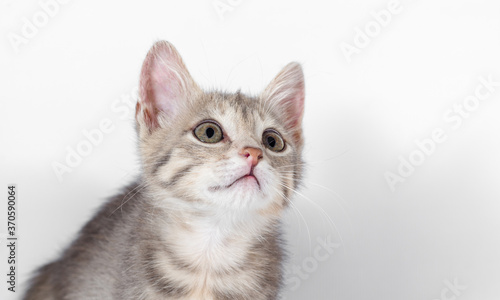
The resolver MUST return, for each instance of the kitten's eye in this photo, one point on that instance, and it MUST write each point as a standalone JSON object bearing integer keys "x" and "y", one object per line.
{"x": 273, "y": 141}
{"x": 208, "y": 132}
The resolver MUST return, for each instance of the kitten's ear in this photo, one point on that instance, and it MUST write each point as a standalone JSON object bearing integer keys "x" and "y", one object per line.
{"x": 286, "y": 92}
{"x": 165, "y": 85}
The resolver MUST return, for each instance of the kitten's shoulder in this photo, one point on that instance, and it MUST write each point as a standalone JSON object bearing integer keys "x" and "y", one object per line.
{"x": 90, "y": 250}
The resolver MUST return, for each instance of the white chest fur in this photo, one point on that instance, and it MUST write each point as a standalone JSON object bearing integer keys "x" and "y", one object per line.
{"x": 209, "y": 253}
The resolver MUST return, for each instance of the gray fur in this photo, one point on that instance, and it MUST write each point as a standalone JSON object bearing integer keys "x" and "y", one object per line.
{"x": 173, "y": 234}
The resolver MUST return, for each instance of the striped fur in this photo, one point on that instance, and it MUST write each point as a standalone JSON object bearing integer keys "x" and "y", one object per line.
{"x": 183, "y": 230}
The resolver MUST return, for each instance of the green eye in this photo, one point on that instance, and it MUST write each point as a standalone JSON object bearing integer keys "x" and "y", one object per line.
{"x": 273, "y": 141}
{"x": 208, "y": 132}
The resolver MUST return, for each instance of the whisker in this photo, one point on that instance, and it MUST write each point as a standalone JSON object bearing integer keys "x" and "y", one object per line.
{"x": 138, "y": 188}
{"x": 320, "y": 208}
{"x": 297, "y": 210}
{"x": 315, "y": 161}
{"x": 344, "y": 211}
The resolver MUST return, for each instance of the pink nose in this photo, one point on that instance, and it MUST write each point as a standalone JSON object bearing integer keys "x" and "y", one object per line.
{"x": 253, "y": 155}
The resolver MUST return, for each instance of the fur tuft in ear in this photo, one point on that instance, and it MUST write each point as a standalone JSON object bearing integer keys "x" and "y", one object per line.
{"x": 286, "y": 93}
{"x": 165, "y": 85}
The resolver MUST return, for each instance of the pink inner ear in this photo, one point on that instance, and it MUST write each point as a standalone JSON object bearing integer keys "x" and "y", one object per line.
{"x": 296, "y": 110}
{"x": 288, "y": 90}
{"x": 164, "y": 90}
{"x": 164, "y": 82}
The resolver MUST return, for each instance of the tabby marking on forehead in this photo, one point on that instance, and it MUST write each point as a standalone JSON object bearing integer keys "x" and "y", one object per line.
{"x": 203, "y": 220}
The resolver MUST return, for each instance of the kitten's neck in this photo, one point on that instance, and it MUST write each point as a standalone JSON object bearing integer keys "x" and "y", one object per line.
{"x": 210, "y": 252}
{"x": 214, "y": 240}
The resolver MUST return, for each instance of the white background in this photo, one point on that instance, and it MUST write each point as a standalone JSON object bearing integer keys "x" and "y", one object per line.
{"x": 362, "y": 113}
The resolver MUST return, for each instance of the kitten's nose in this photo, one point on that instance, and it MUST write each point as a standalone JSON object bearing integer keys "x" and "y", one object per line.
{"x": 253, "y": 155}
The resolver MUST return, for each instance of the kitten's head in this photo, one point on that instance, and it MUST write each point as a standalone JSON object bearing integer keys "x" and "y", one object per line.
{"x": 226, "y": 151}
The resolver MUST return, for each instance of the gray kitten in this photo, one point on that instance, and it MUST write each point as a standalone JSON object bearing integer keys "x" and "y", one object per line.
{"x": 203, "y": 220}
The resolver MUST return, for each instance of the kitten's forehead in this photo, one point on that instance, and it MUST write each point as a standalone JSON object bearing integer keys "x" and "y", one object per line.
{"x": 238, "y": 114}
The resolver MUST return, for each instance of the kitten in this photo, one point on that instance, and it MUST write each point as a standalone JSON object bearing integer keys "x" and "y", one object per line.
{"x": 203, "y": 220}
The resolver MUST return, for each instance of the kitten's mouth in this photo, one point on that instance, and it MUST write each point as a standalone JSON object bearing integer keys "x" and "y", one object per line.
{"x": 245, "y": 178}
